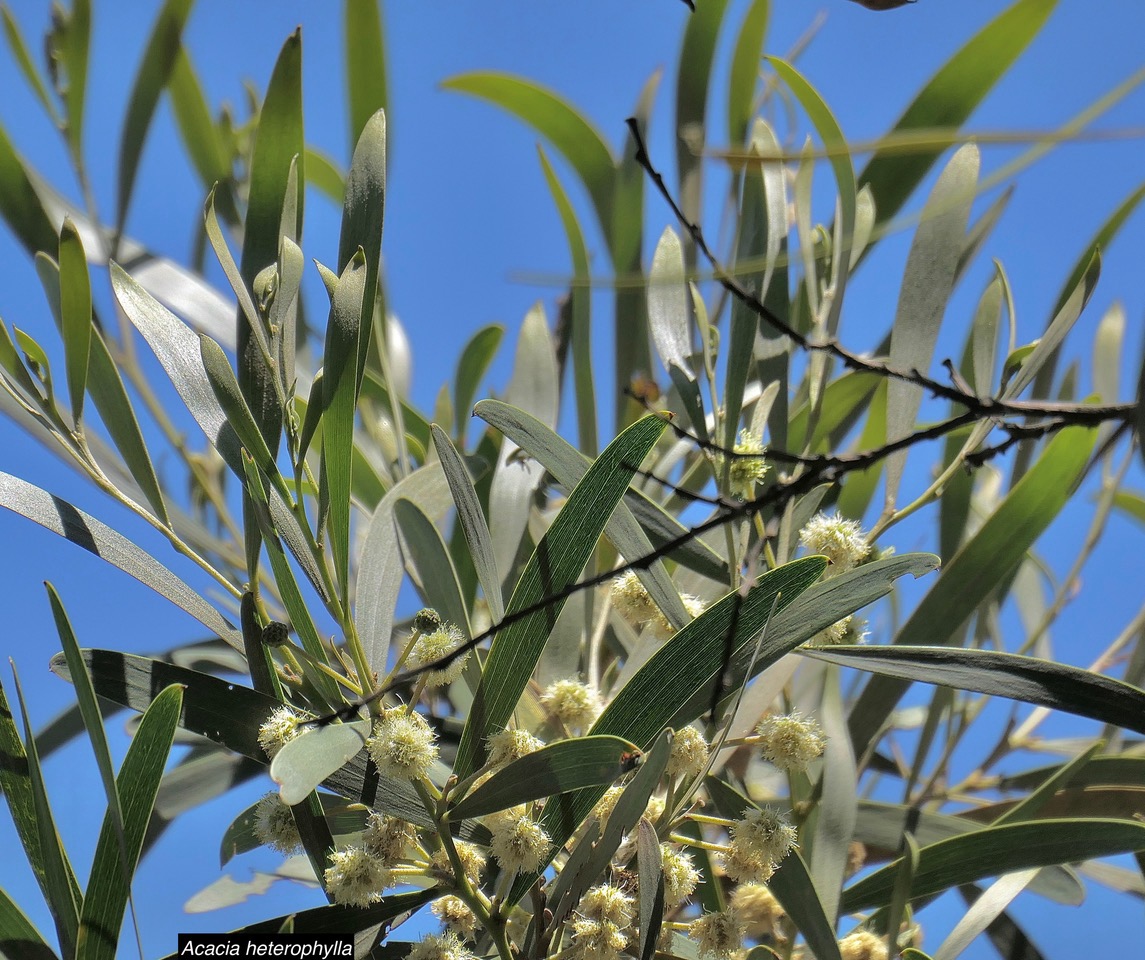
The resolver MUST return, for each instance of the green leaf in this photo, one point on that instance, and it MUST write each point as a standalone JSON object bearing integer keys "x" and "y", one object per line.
{"x": 339, "y": 920}
{"x": 836, "y": 144}
{"x": 75, "y": 314}
{"x": 20, "y": 205}
{"x": 668, "y": 303}
{"x": 381, "y": 562}
{"x": 158, "y": 62}
{"x": 23, "y": 784}
{"x": 998, "y": 674}
{"x": 17, "y": 934}
{"x": 197, "y": 130}
{"x": 694, "y": 74}
{"x": 981, "y": 563}
{"x": 689, "y": 667}
{"x": 743, "y": 76}
{"x": 534, "y": 389}
{"x": 651, "y": 895}
{"x": 928, "y": 281}
{"x": 24, "y": 61}
{"x": 998, "y": 850}
{"x": 472, "y": 366}
{"x": 339, "y": 367}
{"x": 109, "y": 395}
{"x": 91, "y": 714}
{"x": 73, "y": 44}
{"x": 560, "y": 767}
{"x": 432, "y": 567}
{"x": 561, "y": 820}
{"x": 226, "y": 390}
{"x": 365, "y": 64}
{"x": 949, "y": 98}
{"x": 309, "y": 759}
{"x": 471, "y": 518}
{"x": 85, "y": 531}
{"x": 580, "y": 313}
{"x": 552, "y": 117}
{"x": 177, "y": 348}
{"x": 363, "y": 211}
{"x": 569, "y": 467}
{"x": 278, "y": 139}
{"x": 554, "y": 567}
{"x": 138, "y": 782}
{"x": 813, "y": 610}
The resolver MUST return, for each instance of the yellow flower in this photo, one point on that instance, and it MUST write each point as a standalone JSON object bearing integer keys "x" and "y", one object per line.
{"x": 575, "y": 704}
{"x": 402, "y": 745}
{"x": 862, "y": 945}
{"x": 356, "y": 877}
{"x": 718, "y": 934}
{"x": 389, "y": 838}
{"x": 680, "y": 875}
{"x": 518, "y": 843}
{"x": 279, "y": 729}
{"x": 274, "y": 825}
{"x": 433, "y": 646}
{"x": 446, "y": 946}
{"x": 510, "y": 745}
{"x": 790, "y": 741}
{"x": 841, "y": 541}
{"x": 455, "y": 914}
{"x": 689, "y": 753}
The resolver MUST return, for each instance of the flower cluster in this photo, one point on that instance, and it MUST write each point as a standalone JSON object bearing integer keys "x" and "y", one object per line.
{"x": 279, "y": 729}
{"x": 841, "y": 541}
{"x": 632, "y": 601}
{"x": 759, "y": 840}
{"x": 790, "y": 741}
{"x": 402, "y": 745}
{"x": 436, "y": 645}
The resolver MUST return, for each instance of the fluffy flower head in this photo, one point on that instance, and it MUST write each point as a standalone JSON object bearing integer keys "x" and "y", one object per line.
{"x": 432, "y": 646}
{"x": 445, "y": 946}
{"x": 455, "y": 914}
{"x": 759, "y": 910}
{"x": 575, "y": 704}
{"x": 717, "y": 934}
{"x": 388, "y": 838}
{"x": 758, "y": 842}
{"x": 274, "y": 824}
{"x": 510, "y": 745}
{"x": 606, "y": 902}
{"x": 597, "y": 939}
{"x": 278, "y": 730}
{"x": 518, "y": 843}
{"x": 402, "y": 745}
{"x": 748, "y": 467}
{"x": 688, "y": 755}
{"x": 840, "y": 541}
{"x": 680, "y": 875}
{"x": 862, "y": 945}
{"x": 356, "y": 877}
{"x": 790, "y": 741}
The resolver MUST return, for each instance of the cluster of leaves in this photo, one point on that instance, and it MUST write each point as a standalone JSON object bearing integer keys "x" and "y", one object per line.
{"x": 618, "y": 768}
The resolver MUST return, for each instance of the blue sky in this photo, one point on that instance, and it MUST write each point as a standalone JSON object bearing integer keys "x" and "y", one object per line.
{"x": 472, "y": 237}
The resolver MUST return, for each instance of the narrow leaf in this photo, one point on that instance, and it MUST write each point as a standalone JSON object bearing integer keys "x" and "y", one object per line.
{"x": 979, "y": 565}
{"x": 138, "y": 782}
{"x": 158, "y": 61}
{"x": 553, "y": 568}
{"x": 432, "y": 567}
{"x": 365, "y": 63}
{"x": 85, "y": 531}
{"x": 1028, "y": 679}
{"x": 998, "y": 850}
{"x": 928, "y": 281}
{"x": 668, "y": 303}
{"x": 472, "y": 521}
{"x": 743, "y": 77}
{"x": 949, "y": 98}
{"x": 558, "y": 768}
{"x": 75, "y": 314}
{"x": 552, "y": 117}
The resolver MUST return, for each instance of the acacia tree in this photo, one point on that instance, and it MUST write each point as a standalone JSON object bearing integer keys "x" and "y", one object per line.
{"x": 620, "y": 725}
